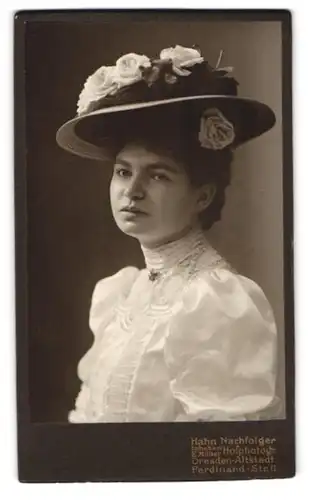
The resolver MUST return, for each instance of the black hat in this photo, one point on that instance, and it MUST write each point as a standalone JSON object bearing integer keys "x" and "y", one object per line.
{"x": 180, "y": 84}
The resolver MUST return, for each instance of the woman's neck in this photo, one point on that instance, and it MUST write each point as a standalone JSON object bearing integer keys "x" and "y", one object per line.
{"x": 167, "y": 255}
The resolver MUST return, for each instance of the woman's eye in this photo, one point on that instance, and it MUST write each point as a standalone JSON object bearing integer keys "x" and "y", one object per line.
{"x": 122, "y": 172}
{"x": 160, "y": 177}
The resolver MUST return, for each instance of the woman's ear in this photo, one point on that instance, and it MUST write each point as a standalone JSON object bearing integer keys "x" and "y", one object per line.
{"x": 205, "y": 196}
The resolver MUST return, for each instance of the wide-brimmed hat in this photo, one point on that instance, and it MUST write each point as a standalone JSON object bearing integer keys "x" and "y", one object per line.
{"x": 117, "y": 99}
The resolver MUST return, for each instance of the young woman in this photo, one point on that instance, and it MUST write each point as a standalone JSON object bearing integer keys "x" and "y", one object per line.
{"x": 186, "y": 338}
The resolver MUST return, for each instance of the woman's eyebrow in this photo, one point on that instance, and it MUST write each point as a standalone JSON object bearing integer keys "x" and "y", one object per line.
{"x": 150, "y": 166}
{"x": 164, "y": 166}
{"x": 120, "y": 161}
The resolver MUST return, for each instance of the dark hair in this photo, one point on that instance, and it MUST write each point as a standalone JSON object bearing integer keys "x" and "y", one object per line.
{"x": 211, "y": 167}
{"x": 176, "y": 132}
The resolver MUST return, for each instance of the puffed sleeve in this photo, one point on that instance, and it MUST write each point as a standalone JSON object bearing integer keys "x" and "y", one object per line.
{"x": 221, "y": 350}
{"x": 107, "y": 292}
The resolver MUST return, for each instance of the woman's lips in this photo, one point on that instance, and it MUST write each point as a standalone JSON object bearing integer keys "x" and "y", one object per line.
{"x": 133, "y": 211}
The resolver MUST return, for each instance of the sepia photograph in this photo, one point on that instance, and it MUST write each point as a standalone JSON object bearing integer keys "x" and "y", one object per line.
{"x": 153, "y": 193}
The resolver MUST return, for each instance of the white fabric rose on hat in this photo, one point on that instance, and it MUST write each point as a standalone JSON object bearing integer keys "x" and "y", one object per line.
{"x": 128, "y": 69}
{"x": 98, "y": 85}
{"x": 181, "y": 57}
{"x": 216, "y": 132}
{"x": 107, "y": 80}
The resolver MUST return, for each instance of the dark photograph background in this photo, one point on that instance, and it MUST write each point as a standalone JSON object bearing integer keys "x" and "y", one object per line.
{"x": 72, "y": 239}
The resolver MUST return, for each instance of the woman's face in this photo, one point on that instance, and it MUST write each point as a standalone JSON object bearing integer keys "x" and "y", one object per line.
{"x": 152, "y": 198}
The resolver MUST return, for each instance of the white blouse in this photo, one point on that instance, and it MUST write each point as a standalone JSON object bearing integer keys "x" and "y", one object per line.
{"x": 192, "y": 340}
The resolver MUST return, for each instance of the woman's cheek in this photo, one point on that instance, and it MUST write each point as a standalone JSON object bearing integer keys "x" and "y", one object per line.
{"x": 114, "y": 196}
{"x": 115, "y": 188}
{"x": 173, "y": 206}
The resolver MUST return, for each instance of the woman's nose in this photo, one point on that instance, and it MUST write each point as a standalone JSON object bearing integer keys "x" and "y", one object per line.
{"x": 135, "y": 189}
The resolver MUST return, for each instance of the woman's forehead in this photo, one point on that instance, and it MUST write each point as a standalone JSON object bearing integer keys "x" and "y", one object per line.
{"x": 143, "y": 154}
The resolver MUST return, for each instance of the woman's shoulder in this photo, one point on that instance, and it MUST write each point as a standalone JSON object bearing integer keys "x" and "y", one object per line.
{"x": 107, "y": 291}
{"x": 120, "y": 283}
{"x": 216, "y": 273}
{"x": 121, "y": 279}
{"x": 217, "y": 289}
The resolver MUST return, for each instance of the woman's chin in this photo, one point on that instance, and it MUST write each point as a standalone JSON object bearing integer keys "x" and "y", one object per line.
{"x": 133, "y": 228}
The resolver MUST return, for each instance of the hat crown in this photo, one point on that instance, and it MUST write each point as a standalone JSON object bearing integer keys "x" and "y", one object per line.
{"x": 178, "y": 72}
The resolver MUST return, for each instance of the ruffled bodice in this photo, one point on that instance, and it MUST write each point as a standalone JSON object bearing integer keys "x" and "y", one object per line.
{"x": 198, "y": 342}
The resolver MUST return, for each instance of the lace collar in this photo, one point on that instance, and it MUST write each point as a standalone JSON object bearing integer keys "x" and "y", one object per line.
{"x": 185, "y": 250}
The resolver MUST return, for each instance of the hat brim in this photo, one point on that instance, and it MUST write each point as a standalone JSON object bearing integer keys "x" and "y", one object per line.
{"x": 250, "y": 119}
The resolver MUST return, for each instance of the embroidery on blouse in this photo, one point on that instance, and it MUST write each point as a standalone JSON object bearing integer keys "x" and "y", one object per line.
{"x": 181, "y": 257}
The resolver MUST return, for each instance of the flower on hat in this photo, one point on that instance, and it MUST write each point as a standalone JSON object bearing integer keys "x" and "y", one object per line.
{"x": 216, "y": 132}
{"x": 181, "y": 57}
{"x": 157, "y": 79}
{"x": 98, "y": 85}
{"x": 107, "y": 80}
{"x": 128, "y": 69}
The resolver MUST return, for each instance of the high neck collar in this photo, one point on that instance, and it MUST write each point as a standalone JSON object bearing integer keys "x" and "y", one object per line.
{"x": 166, "y": 256}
